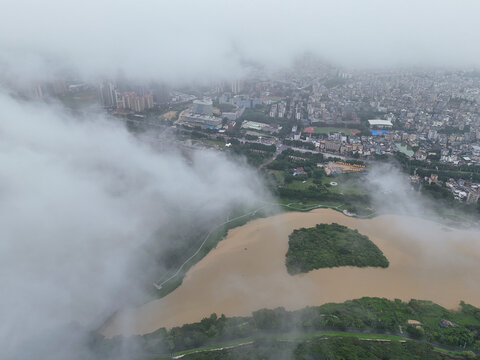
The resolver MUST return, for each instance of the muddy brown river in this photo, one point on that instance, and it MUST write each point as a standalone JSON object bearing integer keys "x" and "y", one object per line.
{"x": 247, "y": 271}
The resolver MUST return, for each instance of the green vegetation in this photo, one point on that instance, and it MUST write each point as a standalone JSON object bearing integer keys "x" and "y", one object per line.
{"x": 345, "y": 327}
{"x": 443, "y": 202}
{"x": 354, "y": 348}
{"x": 299, "y": 144}
{"x": 443, "y": 170}
{"x": 256, "y": 114}
{"x": 224, "y": 107}
{"x": 255, "y": 153}
{"x": 290, "y": 159}
{"x": 79, "y": 99}
{"x": 324, "y": 348}
{"x": 449, "y": 130}
{"x": 333, "y": 82}
{"x": 331, "y": 245}
{"x": 437, "y": 192}
{"x": 327, "y": 130}
{"x": 314, "y": 187}
{"x": 302, "y": 192}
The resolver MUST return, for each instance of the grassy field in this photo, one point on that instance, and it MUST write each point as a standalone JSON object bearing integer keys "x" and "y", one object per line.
{"x": 347, "y": 184}
{"x": 300, "y": 185}
{"x": 326, "y": 130}
{"x": 213, "y": 142}
{"x": 297, "y": 205}
{"x": 274, "y": 98}
{"x": 79, "y": 100}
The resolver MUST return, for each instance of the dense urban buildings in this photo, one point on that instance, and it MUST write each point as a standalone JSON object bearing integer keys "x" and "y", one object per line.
{"x": 428, "y": 116}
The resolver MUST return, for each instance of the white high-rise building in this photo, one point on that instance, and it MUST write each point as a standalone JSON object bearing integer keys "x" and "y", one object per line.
{"x": 236, "y": 87}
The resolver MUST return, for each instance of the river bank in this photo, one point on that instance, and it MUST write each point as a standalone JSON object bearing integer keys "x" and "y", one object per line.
{"x": 246, "y": 271}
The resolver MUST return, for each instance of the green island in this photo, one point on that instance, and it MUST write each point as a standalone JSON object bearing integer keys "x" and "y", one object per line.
{"x": 370, "y": 328}
{"x": 331, "y": 245}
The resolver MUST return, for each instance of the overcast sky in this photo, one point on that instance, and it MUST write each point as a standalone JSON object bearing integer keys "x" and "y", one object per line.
{"x": 185, "y": 39}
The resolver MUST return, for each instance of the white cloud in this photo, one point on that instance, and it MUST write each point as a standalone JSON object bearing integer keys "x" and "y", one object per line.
{"x": 78, "y": 199}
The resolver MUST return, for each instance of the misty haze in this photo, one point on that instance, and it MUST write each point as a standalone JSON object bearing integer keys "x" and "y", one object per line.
{"x": 239, "y": 180}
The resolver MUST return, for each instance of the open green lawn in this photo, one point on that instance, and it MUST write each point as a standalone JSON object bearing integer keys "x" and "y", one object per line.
{"x": 213, "y": 142}
{"x": 347, "y": 184}
{"x": 347, "y": 195}
{"x": 300, "y": 185}
{"x": 275, "y": 98}
{"x": 297, "y": 205}
{"x": 79, "y": 100}
{"x": 326, "y": 130}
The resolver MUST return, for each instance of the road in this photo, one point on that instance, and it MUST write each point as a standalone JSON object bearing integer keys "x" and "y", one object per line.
{"x": 279, "y": 150}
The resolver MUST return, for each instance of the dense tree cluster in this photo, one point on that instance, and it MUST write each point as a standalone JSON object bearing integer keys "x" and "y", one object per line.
{"x": 289, "y": 159}
{"x": 449, "y": 130}
{"x": 353, "y": 348}
{"x": 300, "y": 144}
{"x": 331, "y": 245}
{"x": 443, "y": 170}
{"x": 325, "y": 349}
{"x": 459, "y": 329}
{"x": 255, "y": 153}
{"x": 437, "y": 192}
{"x": 225, "y": 107}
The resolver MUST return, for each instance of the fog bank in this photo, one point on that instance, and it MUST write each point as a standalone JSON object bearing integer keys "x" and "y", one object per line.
{"x": 188, "y": 40}
{"x": 79, "y": 198}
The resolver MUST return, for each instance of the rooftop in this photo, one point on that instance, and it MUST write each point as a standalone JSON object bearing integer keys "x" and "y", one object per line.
{"x": 380, "y": 122}
{"x": 203, "y": 102}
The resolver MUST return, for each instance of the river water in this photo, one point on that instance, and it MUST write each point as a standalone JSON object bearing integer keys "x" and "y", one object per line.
{"x": 247, "y": 271}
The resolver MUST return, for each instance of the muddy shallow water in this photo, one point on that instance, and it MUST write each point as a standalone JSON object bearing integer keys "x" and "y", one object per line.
{"x": 247, "y": 271}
